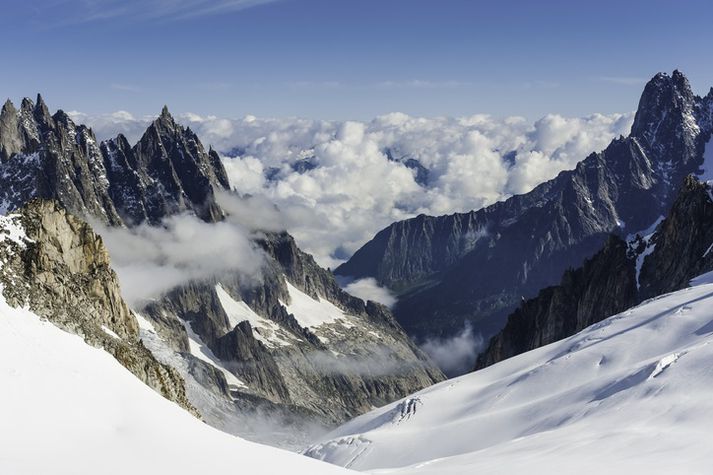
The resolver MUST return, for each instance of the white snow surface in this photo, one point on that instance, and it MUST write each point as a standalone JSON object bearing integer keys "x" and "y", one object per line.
{"x": 630, "y": 394}
{"x": 12, "y": 229}
{"x": 68, "y": 408}
{"x": 312, "y": 313}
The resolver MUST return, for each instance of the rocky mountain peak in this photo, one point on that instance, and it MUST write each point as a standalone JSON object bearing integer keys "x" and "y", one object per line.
{"x": 165, "y": 119}
{"x": 666, "y": 112}
{"x": 40, "y": 105}
{"x": 8, "y": 107}
{"x": 27, "y": 104}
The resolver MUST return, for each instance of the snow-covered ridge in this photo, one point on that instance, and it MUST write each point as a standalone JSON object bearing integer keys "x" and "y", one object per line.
{"x": 99, "y": 418}
{"x": 625, "y": 395}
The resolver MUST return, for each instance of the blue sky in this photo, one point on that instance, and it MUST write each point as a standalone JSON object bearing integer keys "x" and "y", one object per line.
{"x": 350, "y": 59}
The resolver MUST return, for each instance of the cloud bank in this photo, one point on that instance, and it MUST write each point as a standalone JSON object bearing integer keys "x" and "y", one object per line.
{"x": 338, "y": 183}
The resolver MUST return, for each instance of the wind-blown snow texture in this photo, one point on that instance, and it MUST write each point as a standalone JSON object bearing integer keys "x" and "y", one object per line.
{"x": 629, "y": 394}
{"x": 68, "y": 408}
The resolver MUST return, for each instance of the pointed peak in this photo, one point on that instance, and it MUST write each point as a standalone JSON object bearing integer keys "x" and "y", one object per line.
{"x": 8, "y": 106}
{"x": 40, "y": 102}
{"x": 662, "y": 95}
{"x": 27, "y": 104}
{"x": 165, "y": 119}
{"x": 121, "y": 141}
{"x": 62, "y": 116}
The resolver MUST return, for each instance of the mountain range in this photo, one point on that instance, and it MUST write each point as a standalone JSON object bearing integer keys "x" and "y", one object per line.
{"x": 591, "y": 291}
{"x": 475, "y": 268}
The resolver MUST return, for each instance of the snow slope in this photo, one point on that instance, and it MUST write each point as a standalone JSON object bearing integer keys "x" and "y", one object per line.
{"x": 629, "y": 394}
{"x": 68, "y": 408}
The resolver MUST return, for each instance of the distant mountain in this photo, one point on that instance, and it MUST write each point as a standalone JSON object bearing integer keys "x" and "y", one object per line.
{"x": 476, "y": 267}
{"x": 295, "y": 346}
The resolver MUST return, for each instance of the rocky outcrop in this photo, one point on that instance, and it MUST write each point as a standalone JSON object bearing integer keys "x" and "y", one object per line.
{"x": 48, "y": 156}
{"x": 619, "y": 276}
{"x": 476, "y": 267}
{"x": 59, "y": 268}
{"x": 681, "y": 244}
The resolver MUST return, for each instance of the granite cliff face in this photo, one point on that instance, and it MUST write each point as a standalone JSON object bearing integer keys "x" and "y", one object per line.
{"x": 54, "y": 264}
{"x": 476, "y": 267}
{"x": 618, "y": 277}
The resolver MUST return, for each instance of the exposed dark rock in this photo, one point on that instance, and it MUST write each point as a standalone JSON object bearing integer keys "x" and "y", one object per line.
{"x": 168, "y": 171}
{"x": 333, "y": 372}
{"x": 682, "y": 243}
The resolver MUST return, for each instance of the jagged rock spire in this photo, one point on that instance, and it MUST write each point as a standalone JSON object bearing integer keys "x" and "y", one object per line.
{"x": 8, "y": 107}
{"x": 665, "y": 98}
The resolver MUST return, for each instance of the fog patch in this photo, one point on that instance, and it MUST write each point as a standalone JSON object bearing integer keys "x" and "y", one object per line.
{"x": 151, "y": 260}
{"x": 367, "y": 289}
{"x": 455, "y": 355}
{"x": 255, "y": 213}
{"x": 373, "y": 361}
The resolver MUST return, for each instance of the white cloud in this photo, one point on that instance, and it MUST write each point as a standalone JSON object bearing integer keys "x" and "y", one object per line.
{"x": 73, "y": 12}
{"x": 338, "y": 183}
{"x": 151, "y": 260}
{"x": 455, "y": 355}
{"x": 622, "y": 80}
{"x": 368, "y": 289}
